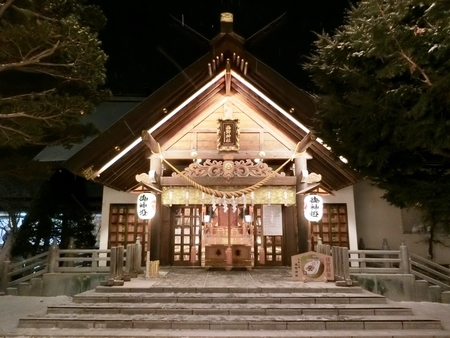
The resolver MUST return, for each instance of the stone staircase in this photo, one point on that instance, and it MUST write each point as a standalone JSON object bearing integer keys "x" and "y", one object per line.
{"x": 228, "y": 312}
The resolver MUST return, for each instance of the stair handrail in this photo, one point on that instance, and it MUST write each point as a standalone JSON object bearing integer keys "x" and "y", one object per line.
{"x": 23, "y": 271}
{"x": 434, "y": 271}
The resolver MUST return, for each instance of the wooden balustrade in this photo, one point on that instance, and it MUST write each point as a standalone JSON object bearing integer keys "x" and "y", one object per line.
{"x": 347, "y": 262}
{"x": 74, "y": 261}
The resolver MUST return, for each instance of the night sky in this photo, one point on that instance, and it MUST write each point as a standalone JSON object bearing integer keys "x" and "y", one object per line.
{"x": 146, "y": 46}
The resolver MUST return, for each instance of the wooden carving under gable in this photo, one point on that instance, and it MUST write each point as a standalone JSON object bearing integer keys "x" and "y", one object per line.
{"x": 241, "y": 168}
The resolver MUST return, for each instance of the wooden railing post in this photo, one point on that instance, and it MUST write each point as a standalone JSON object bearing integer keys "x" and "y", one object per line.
{"x": 362, "y": 264}
{"x": 405, "y": 263}
{"x": 5, "y": 275}
{"x": 385, "y": 247}
{"x": 53, "y": 254}
{"x": 119, "y": 261}
{"x": 95, "y": 261}
{"x": 113, "y": 264}
{"x": 138, "y": 257}
{"x": 341, "y": 266}
{"x": 129, "y": 264}
{"x": 345, "y": 265}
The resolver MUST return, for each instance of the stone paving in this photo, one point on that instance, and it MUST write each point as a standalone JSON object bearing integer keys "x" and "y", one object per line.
{"x": 198, "y": 277}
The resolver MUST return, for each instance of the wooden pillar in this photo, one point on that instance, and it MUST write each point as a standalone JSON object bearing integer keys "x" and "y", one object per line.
{"x": 302, "y": 222}
{"x": 155, "y": 236}
{"x": 53, "y": 254}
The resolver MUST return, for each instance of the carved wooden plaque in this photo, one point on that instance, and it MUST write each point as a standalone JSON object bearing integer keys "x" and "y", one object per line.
{"x": 228, "y": 135}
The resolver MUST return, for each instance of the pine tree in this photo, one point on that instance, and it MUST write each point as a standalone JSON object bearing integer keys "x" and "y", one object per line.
{"x": 383, "y": 99}
{"x": 51, "y": 71}
{"x": 60, "y": 210}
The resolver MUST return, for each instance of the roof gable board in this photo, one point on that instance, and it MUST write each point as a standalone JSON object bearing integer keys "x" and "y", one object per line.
{"x": 278, "y": 112}
{"x": 255, "y": 133}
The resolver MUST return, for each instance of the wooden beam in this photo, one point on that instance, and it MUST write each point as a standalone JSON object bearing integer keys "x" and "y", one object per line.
{"x": 216, "y": 155}
{"x": 228, "y": 78}
{"x": 306, "y": 142}
{"x": 149, "y": 141}
{"x": 220, "y": 181}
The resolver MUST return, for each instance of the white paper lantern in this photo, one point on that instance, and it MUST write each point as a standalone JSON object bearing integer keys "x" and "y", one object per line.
{"x": 313, "y": 208}
{"x": 146, "y": 205}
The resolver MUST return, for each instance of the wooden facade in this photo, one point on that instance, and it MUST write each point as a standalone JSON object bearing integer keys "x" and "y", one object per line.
{"x": 227, "y": 149}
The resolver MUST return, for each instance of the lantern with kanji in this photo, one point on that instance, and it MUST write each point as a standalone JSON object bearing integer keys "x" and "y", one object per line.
{"x": 313, "y": 208}
{"x": 146, "y": 205}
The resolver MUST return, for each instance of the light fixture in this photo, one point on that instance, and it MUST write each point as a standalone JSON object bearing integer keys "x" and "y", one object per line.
{"x": 248, "y": 218}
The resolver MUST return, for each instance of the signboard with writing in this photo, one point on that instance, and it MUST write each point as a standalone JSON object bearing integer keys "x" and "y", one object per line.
{"x": 272, "y": 220}
{"x": 312, "y": 266}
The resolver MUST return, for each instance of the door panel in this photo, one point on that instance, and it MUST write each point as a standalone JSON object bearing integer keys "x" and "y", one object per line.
{"x": 186, "y": 235}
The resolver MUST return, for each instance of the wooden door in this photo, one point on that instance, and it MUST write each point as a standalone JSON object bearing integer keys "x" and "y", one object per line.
{"x": 186, "y": 235}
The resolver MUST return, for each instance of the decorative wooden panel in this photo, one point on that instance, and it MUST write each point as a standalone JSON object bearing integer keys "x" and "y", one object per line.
{"x": 125, "y": 226}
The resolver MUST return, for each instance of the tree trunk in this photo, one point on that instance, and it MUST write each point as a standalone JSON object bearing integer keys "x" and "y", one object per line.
{"x": 5, "y": 252}
{"x": 431, "y": 241}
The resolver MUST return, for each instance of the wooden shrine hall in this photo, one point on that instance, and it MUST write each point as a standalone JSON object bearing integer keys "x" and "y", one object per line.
{"x": 226, "y": 148}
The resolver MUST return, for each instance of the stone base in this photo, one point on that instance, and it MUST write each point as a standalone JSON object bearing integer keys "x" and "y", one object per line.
{"x": 398, "y": 287}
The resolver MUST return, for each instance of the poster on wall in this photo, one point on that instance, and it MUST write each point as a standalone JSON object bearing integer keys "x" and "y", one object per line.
{"x": 272, "y": 220}
{"x": 312, "y": 266}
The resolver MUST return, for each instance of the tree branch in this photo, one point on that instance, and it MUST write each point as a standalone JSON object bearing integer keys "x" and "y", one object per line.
{"x": 26, "y": 136}
{"x": 414, "y": 65}
{"x": 30, "y": 116}
{"x": 40, "y": 16}
{"x": 29, "y": 95}
{"x": 5, "y": 6}
{"x": 30, "y": 61}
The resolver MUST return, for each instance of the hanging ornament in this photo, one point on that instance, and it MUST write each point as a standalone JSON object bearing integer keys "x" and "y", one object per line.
{"x": 224, "y": 204}
{"x": 213, "y": 203}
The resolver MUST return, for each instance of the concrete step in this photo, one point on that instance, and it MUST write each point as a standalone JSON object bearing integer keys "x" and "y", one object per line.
{"x": 230, "y": 322}
{"x": 236, "y": 298}
{"x": 231, "y": 309}
{"x": 302, "y": 288}
{"x": 126, "y": 333}
{"x": 228, "y": 312}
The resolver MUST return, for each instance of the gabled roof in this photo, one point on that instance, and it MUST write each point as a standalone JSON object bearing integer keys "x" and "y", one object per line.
{"x": 228, "y": 71}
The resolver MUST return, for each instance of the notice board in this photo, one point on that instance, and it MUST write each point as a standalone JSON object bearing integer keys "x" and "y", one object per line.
{"x": 272, "y": 220}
